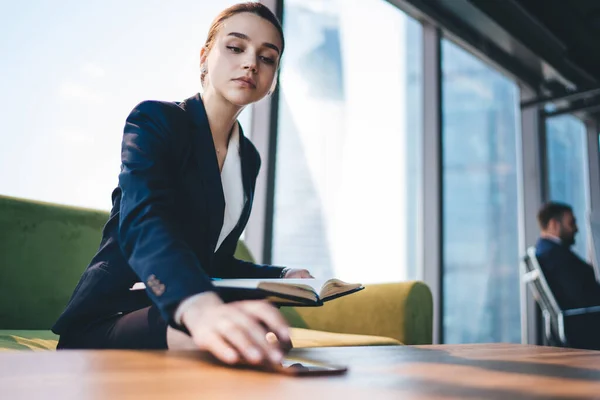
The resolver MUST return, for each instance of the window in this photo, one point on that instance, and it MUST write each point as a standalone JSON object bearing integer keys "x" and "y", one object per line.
{"x": 347, "y": 175}
{"x": 480, "y": 231}
{"x": 567, "y": 170}
{"x": 75, "y": 70}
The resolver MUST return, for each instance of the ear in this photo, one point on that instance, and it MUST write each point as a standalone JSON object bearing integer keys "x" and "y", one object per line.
{"x": 203, "y": 55}
{"x": 554, "y": 225}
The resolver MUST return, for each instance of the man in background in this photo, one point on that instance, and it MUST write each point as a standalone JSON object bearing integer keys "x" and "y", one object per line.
{"x": 570, "y": 278}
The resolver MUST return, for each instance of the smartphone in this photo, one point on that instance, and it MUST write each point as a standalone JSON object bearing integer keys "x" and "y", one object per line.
{"x": 302, "y": 367}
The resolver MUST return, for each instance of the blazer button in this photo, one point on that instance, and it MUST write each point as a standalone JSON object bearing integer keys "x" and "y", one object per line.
{"x": 157, "y": 287}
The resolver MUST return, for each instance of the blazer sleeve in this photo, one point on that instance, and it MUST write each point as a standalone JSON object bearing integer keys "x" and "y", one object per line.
{"x": 148, "y": 235}
{"x": 244, "y": 269}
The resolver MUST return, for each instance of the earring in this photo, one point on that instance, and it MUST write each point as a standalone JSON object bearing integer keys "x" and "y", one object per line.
{"x": 203, "y": 69}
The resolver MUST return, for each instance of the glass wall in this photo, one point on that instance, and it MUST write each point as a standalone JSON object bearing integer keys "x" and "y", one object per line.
{"x": 480, "y": 232}
{"x": 567, "y": 170}
{"x": 71, "y": 73}
{"x": 347, "y": 176}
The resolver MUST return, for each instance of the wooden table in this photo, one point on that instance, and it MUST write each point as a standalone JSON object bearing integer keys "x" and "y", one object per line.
{"x": 446, "y": 371}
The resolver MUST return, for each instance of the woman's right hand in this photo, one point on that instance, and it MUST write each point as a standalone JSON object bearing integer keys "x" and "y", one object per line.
{"x": 235, "y": 332}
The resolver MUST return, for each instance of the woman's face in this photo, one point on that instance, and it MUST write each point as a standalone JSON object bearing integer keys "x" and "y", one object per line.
{"x": 243, "y": 59}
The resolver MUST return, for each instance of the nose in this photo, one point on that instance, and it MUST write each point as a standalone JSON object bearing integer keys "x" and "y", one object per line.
{"x": 250, "y": 66}
{"x": 250, "y": 63}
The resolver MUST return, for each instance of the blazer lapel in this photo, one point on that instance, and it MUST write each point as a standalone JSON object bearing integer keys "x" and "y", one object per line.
{"x": 248, "y": 173}
{"x": 206, "y": 158}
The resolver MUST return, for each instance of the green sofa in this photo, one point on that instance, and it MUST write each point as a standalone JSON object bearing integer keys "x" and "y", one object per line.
{"x": 44, "y": 249}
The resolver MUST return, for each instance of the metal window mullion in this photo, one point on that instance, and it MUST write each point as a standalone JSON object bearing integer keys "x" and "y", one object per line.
{"x": 532, "y": 186}
{"x": 593, "y": 166}
{"x": 431, "y": 164}
{"x": 593, "y": 183}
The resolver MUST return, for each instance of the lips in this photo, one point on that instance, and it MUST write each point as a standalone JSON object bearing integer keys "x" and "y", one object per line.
{"x": 247, "y": 81}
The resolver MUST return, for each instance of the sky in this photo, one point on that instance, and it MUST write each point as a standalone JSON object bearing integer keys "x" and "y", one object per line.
{"x": 71, "y": 71}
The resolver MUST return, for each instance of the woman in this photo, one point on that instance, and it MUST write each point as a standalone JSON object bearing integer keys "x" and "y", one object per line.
{"x": 184, "y": 197}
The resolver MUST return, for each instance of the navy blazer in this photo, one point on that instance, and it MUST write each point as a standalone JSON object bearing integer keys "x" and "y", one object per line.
{"x": 571, "y": 279}
{"x": 166, "y": 218}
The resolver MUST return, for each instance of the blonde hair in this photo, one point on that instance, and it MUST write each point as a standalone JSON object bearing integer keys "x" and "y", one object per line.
{"x": 250, "y": 7}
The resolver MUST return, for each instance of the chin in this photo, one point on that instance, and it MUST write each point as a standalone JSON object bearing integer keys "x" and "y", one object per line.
{"x": 242, "y": 97}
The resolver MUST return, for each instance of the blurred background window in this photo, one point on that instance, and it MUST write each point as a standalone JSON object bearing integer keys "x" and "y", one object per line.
{"x": 567, "y": 170}
{"x": 347, "y": 171}
{"x": 480, "y": 232}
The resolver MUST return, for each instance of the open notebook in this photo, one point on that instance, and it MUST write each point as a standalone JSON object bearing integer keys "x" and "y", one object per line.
{"x": 284, "y": 292}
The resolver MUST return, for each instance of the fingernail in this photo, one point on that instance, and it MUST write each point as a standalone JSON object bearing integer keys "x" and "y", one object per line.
{"x": 276, "y": 356}
{"x": 231, "y": 356}
{"x": 271, "y": 337}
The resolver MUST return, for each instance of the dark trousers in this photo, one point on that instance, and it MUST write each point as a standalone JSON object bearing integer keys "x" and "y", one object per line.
{"x": 140, "y": 329}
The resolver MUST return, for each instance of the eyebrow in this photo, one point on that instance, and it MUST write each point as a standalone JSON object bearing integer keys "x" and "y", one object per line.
{"x": 246, "y": 37}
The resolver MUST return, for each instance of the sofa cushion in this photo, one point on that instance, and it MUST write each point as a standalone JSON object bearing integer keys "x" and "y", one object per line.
{"x": 400, "y": 310}
{"x": 302, "y": 338}
{"x": 27, "y": 340}
{"x": 44, "y": 249}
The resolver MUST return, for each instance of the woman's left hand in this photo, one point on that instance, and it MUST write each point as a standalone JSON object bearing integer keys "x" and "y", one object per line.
{"x": 297, "y": 273}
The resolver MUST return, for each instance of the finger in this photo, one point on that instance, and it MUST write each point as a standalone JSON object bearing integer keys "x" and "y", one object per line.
{"x": 242, "y": 338}
{"x": 306, "y": 274}
{"x": 218, "y": 347}
{"x": 280, "y": 341}
{"x": 284, "y": 347}
{"x": 268, "y": 316}
{"x": 257, "y": 331}
{"x": 254, "y": 328}
{"x": 266, "y": 313}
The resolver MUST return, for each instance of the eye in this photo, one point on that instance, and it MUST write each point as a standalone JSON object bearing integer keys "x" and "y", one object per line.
{"x": 267, "y": 60}
{"x": 234, "y": 49}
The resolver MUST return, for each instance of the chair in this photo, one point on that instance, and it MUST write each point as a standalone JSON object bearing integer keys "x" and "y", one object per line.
{"x": 554, "y": 317}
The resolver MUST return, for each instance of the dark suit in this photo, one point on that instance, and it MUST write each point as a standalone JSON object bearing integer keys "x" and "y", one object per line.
{"x": 573, "y": 284}
{"x": 165, "y": 221}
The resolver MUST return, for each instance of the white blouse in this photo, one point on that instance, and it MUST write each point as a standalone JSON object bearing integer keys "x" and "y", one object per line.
{"x": 233, "y": 187}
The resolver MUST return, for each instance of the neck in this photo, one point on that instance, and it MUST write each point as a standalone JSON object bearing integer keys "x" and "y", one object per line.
{"x": 221, "y": 115}
{"x": 550, "y": 236}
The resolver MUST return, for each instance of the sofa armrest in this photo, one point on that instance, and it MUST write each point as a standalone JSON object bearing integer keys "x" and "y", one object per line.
{"x": 403, "y": 311}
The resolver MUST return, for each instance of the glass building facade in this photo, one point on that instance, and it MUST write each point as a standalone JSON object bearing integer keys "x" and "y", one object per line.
{"x": 480, "y": 232}
{"x": 567, "y": 171}
{"x": 347, "y": 173}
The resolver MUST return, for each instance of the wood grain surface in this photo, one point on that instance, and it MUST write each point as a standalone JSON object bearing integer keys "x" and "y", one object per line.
{"x": 387, "y": 372}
